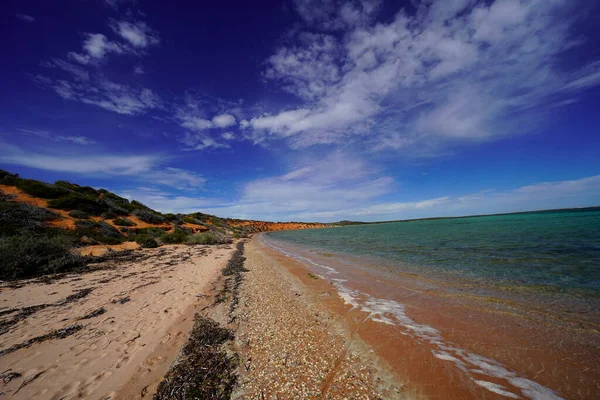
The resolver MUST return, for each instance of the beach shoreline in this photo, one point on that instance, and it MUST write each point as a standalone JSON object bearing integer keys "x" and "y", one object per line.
{"x": 301, "y": 331}
{"x": 453, "y": 343}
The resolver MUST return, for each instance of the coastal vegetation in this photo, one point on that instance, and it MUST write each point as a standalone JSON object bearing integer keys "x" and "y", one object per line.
{"x": 44, "y": 226}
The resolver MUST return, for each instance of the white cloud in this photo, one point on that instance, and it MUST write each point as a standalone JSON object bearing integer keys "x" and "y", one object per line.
{"x": 106, "y": 94}
{"x": 223, "y": 120}
{"x": 95, "y": 47}
{"x": 139, "y": 70}
{"x": 26, "y": 18}
{"x": 336, "y": 181}
{"x": 81, "y": 140}
{"x": 453, "y": 71}
{"x": 193, "y": 117}
{"x": 168, "y": 203}
{"x": 77, "y": 72}
{"x": 147, "y": 168}
{"x": 137, "y": 33}
{"x": 331, "y": 15}
{"x": 228, "y": 136}
{"x": 199, "y": 141}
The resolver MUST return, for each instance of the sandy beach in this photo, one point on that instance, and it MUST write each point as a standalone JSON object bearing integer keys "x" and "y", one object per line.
{"x": 116, "y": 331}
{"x": 130, "y": 320}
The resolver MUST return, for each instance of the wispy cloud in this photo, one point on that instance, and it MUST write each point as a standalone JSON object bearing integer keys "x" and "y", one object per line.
{"x": 337, "y": 181}
{"x": 136, "y": 167}
{"x": 137, "y": 33}
{"x": 139, "y": 70}
{"x": 106, "y": 94}
{"x": 545, "y": 195}
{"x": 82, "y": 140}
{"x": 194, "y": 117}
{"x": 167, "y": 202}
{"x": 26, "y": 18}
{"x": 453, "y": 71}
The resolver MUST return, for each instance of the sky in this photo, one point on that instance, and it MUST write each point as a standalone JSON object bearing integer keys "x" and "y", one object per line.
{"x": 307, "y": 110}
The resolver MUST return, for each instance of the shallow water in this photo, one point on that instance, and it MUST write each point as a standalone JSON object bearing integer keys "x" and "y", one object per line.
{"x": 554, "y": 251}
{"x": 531, "y": 278}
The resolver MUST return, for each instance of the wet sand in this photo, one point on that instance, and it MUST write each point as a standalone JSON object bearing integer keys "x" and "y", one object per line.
{"x": 448, "y": 343}
{"x": 128, "y": 322}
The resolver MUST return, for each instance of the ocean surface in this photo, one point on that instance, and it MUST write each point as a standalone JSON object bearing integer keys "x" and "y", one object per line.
{"x": 467, "y": 289}
{"x": 547, "y": 251}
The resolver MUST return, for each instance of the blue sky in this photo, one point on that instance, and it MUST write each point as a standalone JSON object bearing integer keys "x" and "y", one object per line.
{"x": 308, "y": 110}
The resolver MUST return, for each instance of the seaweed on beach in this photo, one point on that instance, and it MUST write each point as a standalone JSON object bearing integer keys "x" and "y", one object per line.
{"x": 94, "y": 313}
{"x": 233, "y": 273}
{"x": 204, "y": 369}
{"x": 57, "y": 334}
{"x": 122, "y": 300}
{"x": 21, "y": 315}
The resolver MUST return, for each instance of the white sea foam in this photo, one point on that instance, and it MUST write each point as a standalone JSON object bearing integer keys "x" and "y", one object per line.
{"x": 394, "y": 313}
{"x": 498, "y": 389}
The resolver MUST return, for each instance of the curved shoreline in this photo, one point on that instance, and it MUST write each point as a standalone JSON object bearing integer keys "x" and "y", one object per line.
{"x": 455, "y": 330}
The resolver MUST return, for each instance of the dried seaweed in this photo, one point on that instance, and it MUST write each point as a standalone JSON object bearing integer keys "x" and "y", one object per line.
{"x": 57, "y": 334}
{"x": 9, "y": 375}
{"x": 204, "y": 369}
{"x": 22, "y": 314}
{"x": 80, "y": 294}
{"x": 94, "y": 313}
{"x": 233, "y": 271}
{"x": 122, "y": 300}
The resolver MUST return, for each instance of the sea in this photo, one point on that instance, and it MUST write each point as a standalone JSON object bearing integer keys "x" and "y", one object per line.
{"x": 548, "y": 250}
{"x": 531, "y": 278}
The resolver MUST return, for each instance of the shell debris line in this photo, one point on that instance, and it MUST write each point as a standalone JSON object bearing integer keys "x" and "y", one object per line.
{"x": 292, "y": 348}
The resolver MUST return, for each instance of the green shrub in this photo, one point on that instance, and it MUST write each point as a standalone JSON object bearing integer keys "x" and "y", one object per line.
{"x": 146, "y": 241}
{"x": 8, "y": 179}
{"x": 152, "y": 232}
{"x": 26, "y": 255}
{"x": 15, "y": 216}
{"x": 170, "y": 217}
{"x": 193, "y": 221}
{"x": 85, "y": 190}
{"x": 99, "y": 231}
{"x": 204, "y": 238}
{"x": 79, "y": 214}
{"x": 148, "y": 216}
{"x": 41, "y": 189}
{"x": 123, "y": 222}
{"x": 137, "y": 204}
{"x": 76, "y": 201}
{"x": 108, "y": 215}
{"x": 177, "y": 236}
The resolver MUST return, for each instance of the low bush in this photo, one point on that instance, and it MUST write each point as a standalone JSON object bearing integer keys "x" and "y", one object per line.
{"x": 41, "y": 189}
{"x": 146, "y": 241}
{"x": 85, "y": 190}
{"x": 109, "y": 215}
{"x": 15, "y": 216}
{"x": 193, "y": 221}
{"x": 79, "y": 214}
{"x": 8, "y": 179}
{"x": 26, "y": 255}
{"x": 207, "y": 238}
{"x": 148, "y": 216}
{"x": 177, "y": 236}
{"x": 152, "y": 232}
{"x": 76, "y": 201}
{"x": 123, "y": 222}
{"x": 170, "y": 217}
{"x": 99, "y": 231}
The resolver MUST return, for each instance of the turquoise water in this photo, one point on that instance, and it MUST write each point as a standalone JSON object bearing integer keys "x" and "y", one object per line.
{"x": 554, "y": 249}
